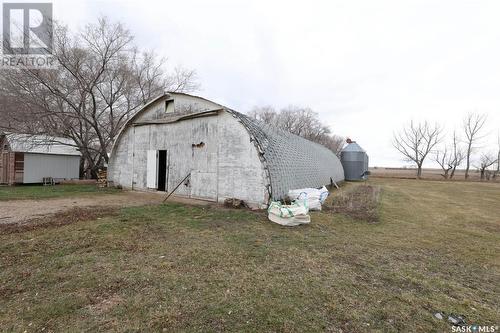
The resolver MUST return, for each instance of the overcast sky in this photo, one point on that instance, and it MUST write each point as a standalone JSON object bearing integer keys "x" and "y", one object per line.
{"x": 367, "y": 67}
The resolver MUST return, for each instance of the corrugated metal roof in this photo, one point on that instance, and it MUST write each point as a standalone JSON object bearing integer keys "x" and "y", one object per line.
{"x": 41, "y": 144}
{"x": 353, "y": 147}
{"x": 292, "y": 161}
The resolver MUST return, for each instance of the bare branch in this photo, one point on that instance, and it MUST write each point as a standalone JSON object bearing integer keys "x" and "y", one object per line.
{"x": 99, "y": 82}
{"x": 416, "y": 141}
{"x": 300, "y": 121}
{"x": 472, "y": 125}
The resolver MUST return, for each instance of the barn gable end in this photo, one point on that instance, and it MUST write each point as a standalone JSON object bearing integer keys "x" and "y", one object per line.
{"x": 213, "y": 147}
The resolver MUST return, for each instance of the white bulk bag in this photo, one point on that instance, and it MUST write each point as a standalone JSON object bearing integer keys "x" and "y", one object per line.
{"x": 323, "y": 194}
{"x": 313, "y": 196}
{"x": 288, "y": 215}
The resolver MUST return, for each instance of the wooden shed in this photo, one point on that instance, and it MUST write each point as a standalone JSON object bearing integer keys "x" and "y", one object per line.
{"x": 27, "y": 159}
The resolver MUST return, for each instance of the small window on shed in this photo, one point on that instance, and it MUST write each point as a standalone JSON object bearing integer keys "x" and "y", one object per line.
{"x": 169, "y": 106}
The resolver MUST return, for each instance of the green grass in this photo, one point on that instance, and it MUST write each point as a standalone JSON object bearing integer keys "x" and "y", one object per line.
{"x": 45, "y": 192}
{"x": 194, "y": 269}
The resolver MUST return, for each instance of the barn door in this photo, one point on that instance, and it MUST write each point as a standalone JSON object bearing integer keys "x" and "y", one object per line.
{"x": 151, "y": 169}
{"x": 162, "y": 170}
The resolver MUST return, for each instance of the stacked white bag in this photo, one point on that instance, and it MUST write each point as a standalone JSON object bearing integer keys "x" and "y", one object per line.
{"x": 289, "y": 215}
{"x": 297, "y": 213}
{"x": 314, "y": 197}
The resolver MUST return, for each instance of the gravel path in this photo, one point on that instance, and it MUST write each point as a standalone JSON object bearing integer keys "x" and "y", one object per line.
{"x": 16, "y": 211}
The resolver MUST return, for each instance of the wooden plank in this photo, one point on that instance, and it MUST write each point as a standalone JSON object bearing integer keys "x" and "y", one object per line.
{"x": 151, "y": 168}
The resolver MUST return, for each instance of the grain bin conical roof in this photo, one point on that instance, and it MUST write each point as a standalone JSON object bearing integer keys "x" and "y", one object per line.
{"x": 353, "y": 147}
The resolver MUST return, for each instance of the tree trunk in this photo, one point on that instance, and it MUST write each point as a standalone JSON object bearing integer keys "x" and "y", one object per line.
{"x": 497, "y": 171}
{"x": 452, "y": 174}
{"x": 82, "y": 168}
{"x": 467, "y": 167}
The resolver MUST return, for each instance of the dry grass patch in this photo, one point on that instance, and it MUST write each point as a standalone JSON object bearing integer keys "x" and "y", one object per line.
{"x": 201, "y": 269}
{"x": 360, "y": 202}
{"x": 27, "y": 192}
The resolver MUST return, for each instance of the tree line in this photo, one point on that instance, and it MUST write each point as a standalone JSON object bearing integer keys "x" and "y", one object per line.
{"x": 419, "y": 142}
{"x": 301, "y": 121}
{"x": 100, "y": 79}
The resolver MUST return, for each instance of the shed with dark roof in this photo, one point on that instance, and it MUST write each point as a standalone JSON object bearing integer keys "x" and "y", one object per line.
{"x": 215, "y": 153}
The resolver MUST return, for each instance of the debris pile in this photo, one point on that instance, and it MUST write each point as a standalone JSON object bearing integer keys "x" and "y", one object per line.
{"x": 235, "y": 203}
{"x": 102, "y": 178}
{"x": 455, "y": 320}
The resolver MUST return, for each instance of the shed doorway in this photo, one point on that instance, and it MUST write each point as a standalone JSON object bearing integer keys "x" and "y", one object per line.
{"x": 162, "y": 170}
{"x": 157, "y": 170}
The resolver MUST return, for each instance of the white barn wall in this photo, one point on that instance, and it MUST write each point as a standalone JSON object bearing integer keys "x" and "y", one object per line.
{"x": 226, "y": 166}
{"x": 178, "y": 138}
{"x": 181, "y": 104}
{"x": 155, "y": 110}
{"x": 37, "y": 166}
{"x": 123, "y": 148}
{"x": 140, "y": 146}
{"x": 243, "y": 174}
{"x": 189, "y": 104}
{"x": 123, "y": 171}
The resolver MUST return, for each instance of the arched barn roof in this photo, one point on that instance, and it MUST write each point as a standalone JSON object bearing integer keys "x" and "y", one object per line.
{"x": 292, "y": 161}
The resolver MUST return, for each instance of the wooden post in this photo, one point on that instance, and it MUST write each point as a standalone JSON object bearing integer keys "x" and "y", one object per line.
{"x": 3, "y": 166}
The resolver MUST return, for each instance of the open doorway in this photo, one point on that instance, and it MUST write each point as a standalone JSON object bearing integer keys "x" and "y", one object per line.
{"x": 162, "y": 170}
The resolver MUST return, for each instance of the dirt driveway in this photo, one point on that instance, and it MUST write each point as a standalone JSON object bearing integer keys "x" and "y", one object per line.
{"x": 17, "y": 211}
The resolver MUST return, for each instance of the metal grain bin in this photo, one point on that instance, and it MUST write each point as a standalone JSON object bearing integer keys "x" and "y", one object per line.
{"x": 354, "y": 160}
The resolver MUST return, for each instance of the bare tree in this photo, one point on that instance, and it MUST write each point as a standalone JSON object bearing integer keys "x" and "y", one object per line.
{"x": 416, "y": 141}
{"x": 497, "y": 171}
{"x": 450, "y": 157}
{"x": 100, "y": 80}
{"x": 333, "y": 142}
{"x": 266, "y": 114}
{"x": 444, "y": 158}
{"x": 300, "y": 121}
{"x": 473, "y": 124}
{"x": 485, "y": 162}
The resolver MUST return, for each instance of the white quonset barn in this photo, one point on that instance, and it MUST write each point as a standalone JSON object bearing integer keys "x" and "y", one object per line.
{"x": 226, "y": 154}
{"x": 27, "y": 159}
